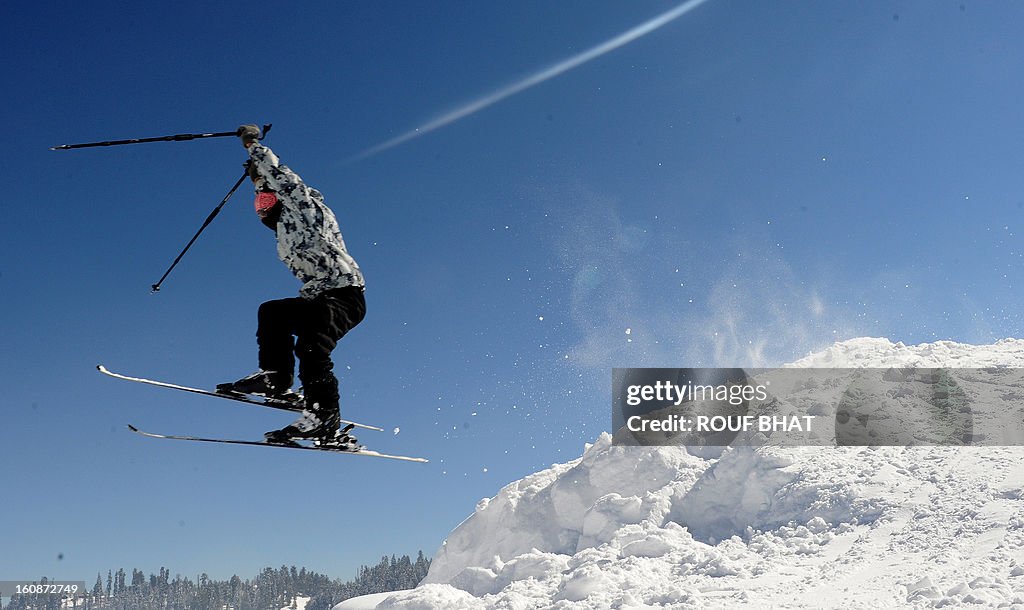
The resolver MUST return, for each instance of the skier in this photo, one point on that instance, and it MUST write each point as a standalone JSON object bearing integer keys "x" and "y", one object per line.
{"x": 330, "y": 302}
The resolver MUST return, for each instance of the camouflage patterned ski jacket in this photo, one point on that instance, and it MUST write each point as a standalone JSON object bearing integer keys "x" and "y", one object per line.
{"x": 308, "y": 239}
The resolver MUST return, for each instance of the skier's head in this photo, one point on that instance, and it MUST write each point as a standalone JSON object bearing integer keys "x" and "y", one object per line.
{"x": 267, "y": 206}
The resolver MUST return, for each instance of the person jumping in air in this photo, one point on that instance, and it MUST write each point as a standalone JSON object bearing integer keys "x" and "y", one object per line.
{"x": 330, "y": 302}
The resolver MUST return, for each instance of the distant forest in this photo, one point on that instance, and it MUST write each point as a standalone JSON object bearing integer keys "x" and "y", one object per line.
{"x": 270, "y": 590}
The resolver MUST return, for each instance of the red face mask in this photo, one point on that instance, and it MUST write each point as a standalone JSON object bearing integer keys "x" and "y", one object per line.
{"x": 265, "y": 200}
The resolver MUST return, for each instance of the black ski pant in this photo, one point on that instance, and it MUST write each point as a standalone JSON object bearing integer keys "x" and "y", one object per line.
{"x": 309, "y": 329}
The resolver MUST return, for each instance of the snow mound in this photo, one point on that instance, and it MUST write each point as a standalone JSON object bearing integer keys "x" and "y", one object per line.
{"x": 659, "y": 527}
{"x": 867, "y": 352}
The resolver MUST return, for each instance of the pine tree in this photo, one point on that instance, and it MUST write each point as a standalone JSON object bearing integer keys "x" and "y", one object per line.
{"x": 119, "y": 585}
{"x": 422, "y": 567}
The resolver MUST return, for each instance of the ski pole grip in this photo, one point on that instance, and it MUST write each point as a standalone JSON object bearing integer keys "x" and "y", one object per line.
{"x": 266, "y": 128}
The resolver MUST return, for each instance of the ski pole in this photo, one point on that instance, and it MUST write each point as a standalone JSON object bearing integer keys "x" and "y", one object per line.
{"x": 181, "y": 137}
{"x": 209, "y": 219}
{"x": 206, "y": 223}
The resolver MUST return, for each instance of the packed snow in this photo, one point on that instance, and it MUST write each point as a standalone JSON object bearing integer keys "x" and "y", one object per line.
{"x": 780, "y": 527}
{"x": 298, "y": 603}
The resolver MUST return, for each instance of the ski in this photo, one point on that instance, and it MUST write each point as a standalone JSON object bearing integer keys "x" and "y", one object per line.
{"x": 294, "y": 445}
{"x": 262, "y": 401}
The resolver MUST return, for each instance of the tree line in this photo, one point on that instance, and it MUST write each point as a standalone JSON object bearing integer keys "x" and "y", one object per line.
{"x": 270, "y": 590}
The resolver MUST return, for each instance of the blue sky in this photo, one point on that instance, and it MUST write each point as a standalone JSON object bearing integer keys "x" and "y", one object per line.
{"x": 745, "y": 184}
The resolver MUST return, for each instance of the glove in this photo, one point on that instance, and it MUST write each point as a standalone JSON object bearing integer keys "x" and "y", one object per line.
{"x": 248, "y": 134}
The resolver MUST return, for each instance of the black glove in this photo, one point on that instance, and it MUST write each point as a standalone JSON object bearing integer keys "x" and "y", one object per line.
{"x": 248, "y": 134}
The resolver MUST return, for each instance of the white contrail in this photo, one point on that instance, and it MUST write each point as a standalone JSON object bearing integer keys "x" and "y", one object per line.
{"x": 535, "y": 79}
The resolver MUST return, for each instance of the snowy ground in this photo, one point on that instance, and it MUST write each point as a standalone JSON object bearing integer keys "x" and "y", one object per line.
{"x": 299, "y": 603}
{"x": 780, "y": 527}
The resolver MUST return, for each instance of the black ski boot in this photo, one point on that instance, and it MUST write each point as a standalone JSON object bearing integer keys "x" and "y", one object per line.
{"x": 342, "y": 440}
{"x": 320, "y": 417}
{"x": 320, "y": 420}
{"x": 261, "y": 383}
{"x": 313, "y": 424}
